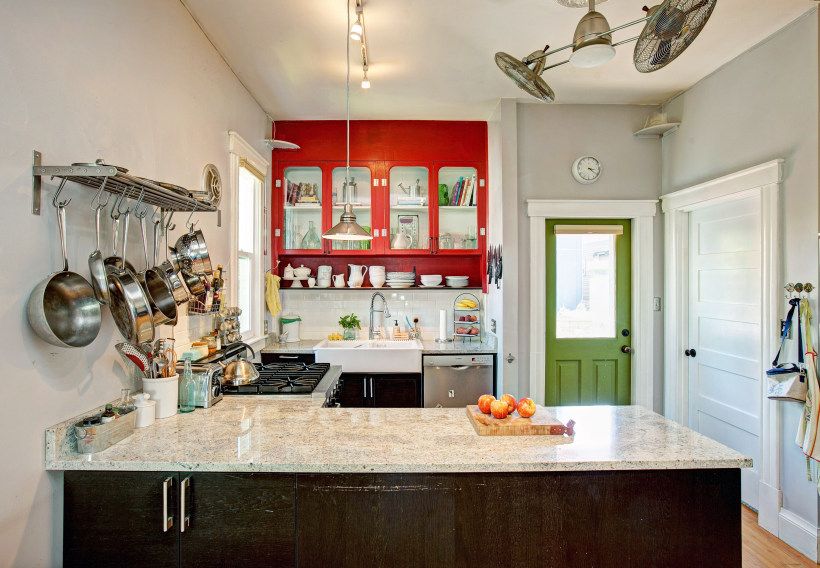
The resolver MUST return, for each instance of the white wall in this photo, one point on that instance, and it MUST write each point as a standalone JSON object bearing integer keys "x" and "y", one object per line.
{"x": 761, "y": 106}
{"x": 550, "y": 138}
{"x": 502, "y": 230}
{"x": 136, "y": 83}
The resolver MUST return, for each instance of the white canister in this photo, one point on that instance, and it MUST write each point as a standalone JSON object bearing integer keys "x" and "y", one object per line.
{"x": 146, "y": 410}
{"x": 290, "y": 326}
{"x": 166, "y": 394}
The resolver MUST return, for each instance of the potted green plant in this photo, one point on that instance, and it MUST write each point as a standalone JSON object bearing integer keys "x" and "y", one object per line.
{"x": 350, "y": 324}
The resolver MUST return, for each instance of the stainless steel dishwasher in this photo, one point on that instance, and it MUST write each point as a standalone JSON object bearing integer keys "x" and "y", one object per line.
{"x": 452, "y": 381}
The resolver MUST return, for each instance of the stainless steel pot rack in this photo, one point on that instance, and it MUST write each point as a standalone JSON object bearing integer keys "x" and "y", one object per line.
{"x": 114, "y": 180}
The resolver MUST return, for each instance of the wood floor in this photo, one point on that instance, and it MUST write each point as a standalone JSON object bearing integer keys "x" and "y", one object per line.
{"x": 762, "y": 549}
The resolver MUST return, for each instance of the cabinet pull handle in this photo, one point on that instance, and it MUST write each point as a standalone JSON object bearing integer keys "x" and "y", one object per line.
{"x": 185, "y": 519}
{"x": 364, "y": 386}
{"x": 436, "y": 238}
{"x": 288, "y": 356}
{"x": 431, "y": 245}
{"x": 167, "y": 520}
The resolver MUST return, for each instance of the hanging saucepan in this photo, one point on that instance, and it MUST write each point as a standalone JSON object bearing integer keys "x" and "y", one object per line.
{"x": 166, "y": 269}
{"x": 115, "y": 260}
{"x": 127, "y": 301}
{"x": 96, "y": 265}
{"x": 192, "y": 246}
{"x": 62, "y": 308}
{"x": 159, "y": 294}
{"x": 182, "y": 265}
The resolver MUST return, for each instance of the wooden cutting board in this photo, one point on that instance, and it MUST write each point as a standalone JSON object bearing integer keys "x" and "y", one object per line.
{"x": 542, "y": 422}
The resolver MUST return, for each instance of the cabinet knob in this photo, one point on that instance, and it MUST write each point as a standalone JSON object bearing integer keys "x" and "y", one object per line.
{"x": 690, "y": 353}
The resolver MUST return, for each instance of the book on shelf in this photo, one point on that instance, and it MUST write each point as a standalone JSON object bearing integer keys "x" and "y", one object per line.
{"x": 456, "y": 191}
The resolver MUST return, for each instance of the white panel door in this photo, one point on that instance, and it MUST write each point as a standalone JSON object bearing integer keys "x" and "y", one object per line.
{"x": 724, "y": 329}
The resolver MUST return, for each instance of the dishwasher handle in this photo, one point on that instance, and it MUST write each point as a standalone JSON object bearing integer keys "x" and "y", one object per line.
{"x": 461, "y": 367}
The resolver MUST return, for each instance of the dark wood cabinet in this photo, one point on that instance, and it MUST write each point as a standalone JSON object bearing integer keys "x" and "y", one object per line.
{"x": 141, "y": 519}
{"x": 381, "y": 390}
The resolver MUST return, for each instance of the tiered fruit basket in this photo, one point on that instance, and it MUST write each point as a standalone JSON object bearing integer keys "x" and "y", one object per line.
{"x": 467, "y": 318}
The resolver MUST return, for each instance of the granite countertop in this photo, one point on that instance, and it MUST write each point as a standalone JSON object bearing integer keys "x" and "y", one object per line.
{"x": 278, "y": 434}
{"x": 429, "y": 347}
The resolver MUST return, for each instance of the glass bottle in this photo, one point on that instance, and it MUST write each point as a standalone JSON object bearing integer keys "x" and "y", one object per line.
{"x": 124, "y": 406}
{"x": 187, "y": 388}
{"x": 108, "y": 415}
{"x": 311, "y": 239}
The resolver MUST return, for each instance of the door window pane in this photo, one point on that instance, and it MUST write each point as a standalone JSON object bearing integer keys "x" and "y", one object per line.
{"x": 302, "y": 225}
{"x": 409, "y": 212}
{"x": 457, "y": 211}
{"x": 585, "y": 286}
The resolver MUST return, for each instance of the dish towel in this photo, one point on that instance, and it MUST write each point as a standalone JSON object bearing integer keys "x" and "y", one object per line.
{"x": 272, "y": 294}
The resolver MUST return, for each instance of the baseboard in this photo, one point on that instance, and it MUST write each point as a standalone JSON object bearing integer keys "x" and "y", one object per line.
{"x": 769, "y": 501}
{"x": 799, "y": 534}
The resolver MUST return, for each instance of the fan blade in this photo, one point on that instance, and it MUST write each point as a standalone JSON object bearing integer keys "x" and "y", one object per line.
{"x": 524, "y": 77}
{"x": 671, "y": 28}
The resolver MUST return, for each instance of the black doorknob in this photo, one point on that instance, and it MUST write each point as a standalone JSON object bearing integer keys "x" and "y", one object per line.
{"x": 690, "y": 353}
{"x": 626, "y": 349}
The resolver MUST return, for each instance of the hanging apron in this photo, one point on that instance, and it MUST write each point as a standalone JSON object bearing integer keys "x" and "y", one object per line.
{"x": 810, "y": 418}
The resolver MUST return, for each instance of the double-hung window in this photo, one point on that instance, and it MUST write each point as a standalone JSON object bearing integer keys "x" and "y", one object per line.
{"x": 248, "y": 173}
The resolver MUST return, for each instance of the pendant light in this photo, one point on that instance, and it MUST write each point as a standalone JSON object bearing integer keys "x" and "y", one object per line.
{"x": 347, "y": 229}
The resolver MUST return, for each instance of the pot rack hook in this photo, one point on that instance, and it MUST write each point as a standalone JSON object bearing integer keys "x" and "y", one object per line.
{"x": 141, "y": 210}
{"x": 54, "y": 201}
{"x": 98, "y": 196}
{"x": 119, "y": 203}
{"x": 188, "y": 223}
{"x": 168, "y": 225}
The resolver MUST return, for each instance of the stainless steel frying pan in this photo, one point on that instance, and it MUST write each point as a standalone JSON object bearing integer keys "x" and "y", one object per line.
{"x": 62, "y": 308}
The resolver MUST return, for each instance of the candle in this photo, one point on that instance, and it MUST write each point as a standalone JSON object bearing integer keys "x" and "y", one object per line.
{"x": 442, "y": 325}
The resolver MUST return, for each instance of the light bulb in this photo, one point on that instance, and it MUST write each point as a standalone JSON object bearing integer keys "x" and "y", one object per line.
{"x": 365, "y": 81}
{"x": 356, "y": 30}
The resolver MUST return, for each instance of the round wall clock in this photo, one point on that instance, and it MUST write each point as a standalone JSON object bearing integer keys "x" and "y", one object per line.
{"x": 586, "y": 169}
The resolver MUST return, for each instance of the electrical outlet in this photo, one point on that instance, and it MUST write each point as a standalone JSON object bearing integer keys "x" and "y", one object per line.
{"x": 656, "y": 304}
{"x": 782, "y": 327}
{"x": 266, "y": 327}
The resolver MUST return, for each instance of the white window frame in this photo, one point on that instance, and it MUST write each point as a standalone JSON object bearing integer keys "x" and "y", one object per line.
{"x": 242, "y": 152}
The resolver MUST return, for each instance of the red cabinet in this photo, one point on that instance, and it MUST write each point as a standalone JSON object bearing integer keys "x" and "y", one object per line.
{"x": 418, "y": 186}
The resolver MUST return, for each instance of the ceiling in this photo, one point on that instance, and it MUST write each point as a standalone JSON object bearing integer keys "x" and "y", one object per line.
{"x": 433, "y": 59}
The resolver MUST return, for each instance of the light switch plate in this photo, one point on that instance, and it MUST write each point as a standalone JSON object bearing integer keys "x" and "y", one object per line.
{"x": 656, "y": 304}
{"x": 279, "y": 183}
{"x": 482, "y": 231}
{"x": 481, "y": 183}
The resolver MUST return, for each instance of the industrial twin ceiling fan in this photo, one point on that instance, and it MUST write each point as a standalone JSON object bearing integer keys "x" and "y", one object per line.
{"x": 670, "y": 28}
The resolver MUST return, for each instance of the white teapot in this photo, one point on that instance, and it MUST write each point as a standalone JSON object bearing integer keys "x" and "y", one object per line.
{"x": 288, "y": 271}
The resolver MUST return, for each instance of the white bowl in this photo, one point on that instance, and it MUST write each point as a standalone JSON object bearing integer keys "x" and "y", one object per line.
{"x": 431, "y": 280}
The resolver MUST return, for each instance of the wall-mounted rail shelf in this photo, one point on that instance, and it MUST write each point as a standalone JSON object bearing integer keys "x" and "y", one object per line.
{"x": 118, "y": 181}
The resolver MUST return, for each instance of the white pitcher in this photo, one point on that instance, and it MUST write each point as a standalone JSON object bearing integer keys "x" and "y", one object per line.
{"x": 339, "y": 281}
{"x": 357, "y": 272}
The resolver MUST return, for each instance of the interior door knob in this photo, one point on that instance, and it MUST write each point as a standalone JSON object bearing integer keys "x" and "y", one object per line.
{"x": 690, "y": 353}
{"x": 626, "y": 349}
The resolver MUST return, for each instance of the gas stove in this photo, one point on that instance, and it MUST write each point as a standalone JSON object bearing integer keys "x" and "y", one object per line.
{"x": 283, "y": 379}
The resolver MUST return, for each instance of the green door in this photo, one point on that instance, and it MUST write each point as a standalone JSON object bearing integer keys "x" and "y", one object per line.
{"x": 588, "y": 312}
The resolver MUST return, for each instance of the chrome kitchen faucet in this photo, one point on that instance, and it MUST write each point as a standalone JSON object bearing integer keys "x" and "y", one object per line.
{"x": 384, "y": 310}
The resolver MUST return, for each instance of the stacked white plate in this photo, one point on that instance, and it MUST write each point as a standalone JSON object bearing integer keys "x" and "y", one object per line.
{"x": 457, "y": 281}
{"x": 401, "y": 279}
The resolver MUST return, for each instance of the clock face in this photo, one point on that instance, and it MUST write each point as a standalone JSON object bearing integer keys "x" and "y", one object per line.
{"x": 586, "y": 169}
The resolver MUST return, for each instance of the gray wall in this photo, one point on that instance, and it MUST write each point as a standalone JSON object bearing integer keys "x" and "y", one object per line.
{"x": 549, "y": 139}
{"x": 138, "y": 84}
{"x": 761, "y": 106}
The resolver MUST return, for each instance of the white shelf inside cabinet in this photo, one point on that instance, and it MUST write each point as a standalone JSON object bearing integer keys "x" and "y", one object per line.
{"x": 657, "y": 131}
{"x": 410, "y": 207}
{"x": 311, "y": 206}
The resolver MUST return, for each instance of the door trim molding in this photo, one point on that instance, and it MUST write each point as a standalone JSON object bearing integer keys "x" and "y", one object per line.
{"x": 641, "y": 213}
{"x": 762, "y": 180}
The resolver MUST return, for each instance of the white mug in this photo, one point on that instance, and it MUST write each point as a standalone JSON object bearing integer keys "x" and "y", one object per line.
{"x": 339, "y": 281}
{"x": 311, "y": 282}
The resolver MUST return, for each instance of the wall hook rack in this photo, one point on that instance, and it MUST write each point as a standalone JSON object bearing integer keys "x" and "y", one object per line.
{"x": 105, "y": 177}
{"x": 798, "y": 290}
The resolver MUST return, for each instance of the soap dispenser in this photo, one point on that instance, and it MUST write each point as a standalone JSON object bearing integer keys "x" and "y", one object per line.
{"x": 396, "y": 329}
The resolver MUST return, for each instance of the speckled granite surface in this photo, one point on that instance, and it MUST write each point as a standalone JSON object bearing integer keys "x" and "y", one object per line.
{"x": 274, "y": 434}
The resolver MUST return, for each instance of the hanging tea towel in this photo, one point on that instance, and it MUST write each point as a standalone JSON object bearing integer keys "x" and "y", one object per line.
{"x": 272, "y": 294}
{"x": 810, "y": 417}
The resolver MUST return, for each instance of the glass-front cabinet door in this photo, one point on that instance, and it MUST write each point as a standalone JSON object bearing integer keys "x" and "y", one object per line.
{"x": 457, "y": 200}
{"x": 408, "y": 210}
{"x": 358, "y": 191}
{"x": 303, "y": 197}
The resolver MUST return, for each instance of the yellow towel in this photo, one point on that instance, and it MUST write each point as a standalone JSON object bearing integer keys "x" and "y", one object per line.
{"x": 272, "y": 294}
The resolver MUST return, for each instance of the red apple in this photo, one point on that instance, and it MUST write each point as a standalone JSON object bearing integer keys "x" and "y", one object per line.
{"x": 499, "y": 408}
{"x": 510, "y": 400}
{"x": 484, "y": 402}
{"x": 526, "y": 407}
